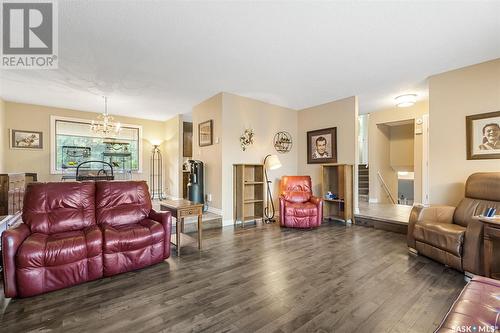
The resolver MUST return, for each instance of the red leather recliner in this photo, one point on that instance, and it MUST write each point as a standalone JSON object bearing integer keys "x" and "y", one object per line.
{"x": 134, "y": 235}
{"x": 298, "y": 207}
{"x": 60, "y": 243}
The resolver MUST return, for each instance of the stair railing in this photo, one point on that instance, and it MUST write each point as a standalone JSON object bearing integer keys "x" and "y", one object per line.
{"x": 386, "y": 188}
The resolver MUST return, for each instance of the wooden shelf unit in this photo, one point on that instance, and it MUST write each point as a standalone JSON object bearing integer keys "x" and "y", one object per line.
{"x": 248, "y": 192}
{"x": 338, "y": 179}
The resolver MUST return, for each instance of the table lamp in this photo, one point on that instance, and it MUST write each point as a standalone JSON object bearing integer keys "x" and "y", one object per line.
{"x": 271, "y": 162}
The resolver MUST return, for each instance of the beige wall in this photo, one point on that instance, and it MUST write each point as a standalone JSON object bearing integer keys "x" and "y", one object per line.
{"x": 172, "y": 156}
{"x": 379, "y": 150}
{"x": 240, "y": 113}
{"x": 402, "y": 147}
{"x": 454, "y": 95}
{"x": 4, "y": 140}
{"x": 342, "y": 114}
{"x": 211, "y": 156}
{"x": 37, "y": 118}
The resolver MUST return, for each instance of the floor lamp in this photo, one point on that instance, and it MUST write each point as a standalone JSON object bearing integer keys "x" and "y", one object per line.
{"x": 156, "y": 173}
{"x": 271, "y": 162}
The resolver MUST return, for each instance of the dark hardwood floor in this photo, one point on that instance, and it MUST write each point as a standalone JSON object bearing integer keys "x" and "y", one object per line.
{"x": 261, "y": 279}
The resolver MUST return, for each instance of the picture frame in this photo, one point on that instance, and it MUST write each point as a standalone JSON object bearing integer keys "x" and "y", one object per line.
{"x": 483, "y": 136}
{"x": 322, "y": 146}
{"x": 26, "y": 140}
{"x": 205, "y": 133}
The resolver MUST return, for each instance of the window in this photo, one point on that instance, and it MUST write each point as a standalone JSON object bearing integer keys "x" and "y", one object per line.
{"x": 72, "y": 142}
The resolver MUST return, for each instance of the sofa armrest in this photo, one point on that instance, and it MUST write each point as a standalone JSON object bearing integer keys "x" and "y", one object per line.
{"x": 319, "y": 205}
{"x": 282, "y": 210}
{"x": 435, "y": 214}
{"x": 11, "y": 240}
{"x": 165, "y": 218}
{"x": 316, "y": 200}
{"x": 473, "y": 247}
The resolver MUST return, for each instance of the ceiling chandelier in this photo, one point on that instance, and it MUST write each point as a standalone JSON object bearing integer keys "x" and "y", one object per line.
{"x": 105, "y": 125}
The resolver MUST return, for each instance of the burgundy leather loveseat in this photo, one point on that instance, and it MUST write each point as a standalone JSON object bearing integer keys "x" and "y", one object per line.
{"x": 298, "y": 207}
{"x": 76, "y": 232}
{"x": 476, "y": 309}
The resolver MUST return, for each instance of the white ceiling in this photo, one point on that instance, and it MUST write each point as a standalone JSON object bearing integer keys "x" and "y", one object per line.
{"x": 155, "y": 59}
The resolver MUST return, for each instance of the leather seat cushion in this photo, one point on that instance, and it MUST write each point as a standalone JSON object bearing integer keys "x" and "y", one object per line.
{"x": 478, "y": 304}
{"x": 50, "y": 262}
{"x": 302, "y": 209}
{"x": 132, "y": 246}
{"x": 131, "y": 237}
{"x": 445, "y": 236}
{"x": 41, "y": 250}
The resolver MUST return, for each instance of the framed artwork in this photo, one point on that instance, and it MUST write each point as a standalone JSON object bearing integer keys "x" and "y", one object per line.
{"x": 483, "y": 136}
{"x": 322, "y": 146}
{"x": 26, "y": 139}
{"x": 205, "y": 133}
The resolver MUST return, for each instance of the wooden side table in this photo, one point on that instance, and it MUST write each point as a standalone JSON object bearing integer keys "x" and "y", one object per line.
{"x": 180, "y": 209}
{"x": 491, "y": 232}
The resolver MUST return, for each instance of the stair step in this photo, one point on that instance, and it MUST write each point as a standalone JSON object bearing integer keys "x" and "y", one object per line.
{"x": 363, "y": 197}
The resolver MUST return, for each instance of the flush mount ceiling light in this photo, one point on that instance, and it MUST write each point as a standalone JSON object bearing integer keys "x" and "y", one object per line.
{"x": 404, "y": 101}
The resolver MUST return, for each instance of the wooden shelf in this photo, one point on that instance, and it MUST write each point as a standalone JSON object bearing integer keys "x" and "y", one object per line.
{"x": 334, "y": 200}
{"x": 248, "y": 192}
{"x": 338, "y": 179}
{"x": 252, "y": 218}
{"x": 250, "y": 201}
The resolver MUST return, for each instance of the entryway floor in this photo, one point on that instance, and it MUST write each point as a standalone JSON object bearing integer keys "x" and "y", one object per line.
{"x": 387, "y": 212}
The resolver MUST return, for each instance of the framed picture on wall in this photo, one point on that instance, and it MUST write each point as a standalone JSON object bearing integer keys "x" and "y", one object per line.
{"x": 483, "y": 136}
{"x": 322, "y": 146}
{"x": 205, "y": 133}
{"x": 20, "y": 139}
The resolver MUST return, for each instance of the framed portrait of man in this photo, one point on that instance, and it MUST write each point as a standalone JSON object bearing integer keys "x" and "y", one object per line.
{"x": 483, "y": 136}
{"x": 322, "y": 146}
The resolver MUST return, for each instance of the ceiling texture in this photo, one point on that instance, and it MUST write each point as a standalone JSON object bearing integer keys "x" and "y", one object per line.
{"x": 155, "y": 59}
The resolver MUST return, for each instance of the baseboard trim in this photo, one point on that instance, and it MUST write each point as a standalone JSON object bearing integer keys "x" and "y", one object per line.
{"x": 214, "y": 210}
{"x": 227, "y": 222}
{"x": 372, "y": 200}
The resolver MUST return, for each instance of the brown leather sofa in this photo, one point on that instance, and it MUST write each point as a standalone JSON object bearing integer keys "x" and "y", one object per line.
{"x": 76, "y": 232}
{"x": 476, "y": 308}
{"x": 454, "y": 235}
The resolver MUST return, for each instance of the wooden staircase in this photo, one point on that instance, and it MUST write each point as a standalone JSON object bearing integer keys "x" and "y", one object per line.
{"x": 363, "y": 181}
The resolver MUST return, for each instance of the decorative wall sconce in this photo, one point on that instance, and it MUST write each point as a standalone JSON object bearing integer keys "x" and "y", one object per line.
{"x": 283, "y": 142}
{"x": 246, "y": 139}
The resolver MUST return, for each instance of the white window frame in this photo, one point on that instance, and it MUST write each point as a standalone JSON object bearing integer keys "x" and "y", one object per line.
{"x": 53, "y": 142}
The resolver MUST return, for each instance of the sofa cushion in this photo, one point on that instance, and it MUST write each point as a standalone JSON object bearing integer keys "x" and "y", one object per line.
{"x": 59, "y": 207}
{"x": 122, "y": 202}
{"x": 133, "y": 246}
{"x": 304, "y": 209}
{"x": 131, "y": 237}
{"x": 468, "y": 209}
{"x": 296, "y": 188}
{"x": 477, "y": 305}
{"x": 49, "y": 262}
{"x": 445, "y": 236}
